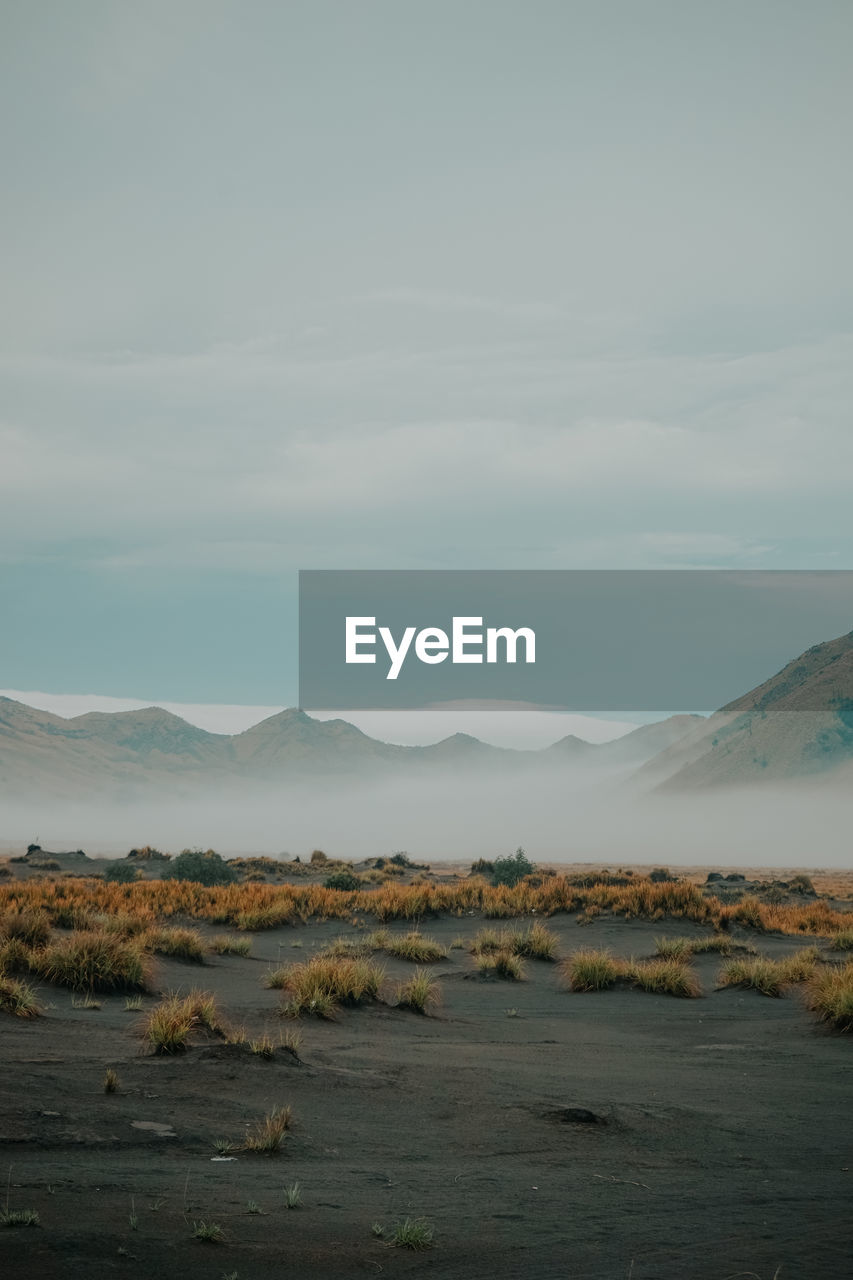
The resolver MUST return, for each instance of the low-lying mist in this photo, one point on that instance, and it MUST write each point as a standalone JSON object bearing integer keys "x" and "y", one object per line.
{"x": 555, "y": 816}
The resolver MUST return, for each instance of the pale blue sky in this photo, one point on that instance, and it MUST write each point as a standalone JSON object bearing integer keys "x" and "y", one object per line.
{"x": 476, "y": 284}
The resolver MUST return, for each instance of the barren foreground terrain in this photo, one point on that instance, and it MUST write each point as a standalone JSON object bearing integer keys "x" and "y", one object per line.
{"x": 540, "y": 1131}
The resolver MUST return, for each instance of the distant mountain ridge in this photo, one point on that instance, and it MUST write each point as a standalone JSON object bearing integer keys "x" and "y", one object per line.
{"x": 128, "y": 751}
{"x": 797, "y": 724}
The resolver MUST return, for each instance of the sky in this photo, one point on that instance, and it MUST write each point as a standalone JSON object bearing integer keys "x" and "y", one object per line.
{"x": 491, "y": 285}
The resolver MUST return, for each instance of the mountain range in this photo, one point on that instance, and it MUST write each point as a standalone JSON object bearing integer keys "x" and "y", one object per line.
{"x": 797, "y": 723}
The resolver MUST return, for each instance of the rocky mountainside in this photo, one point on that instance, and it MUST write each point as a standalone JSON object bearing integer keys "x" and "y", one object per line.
{"x": 797, "y": 724}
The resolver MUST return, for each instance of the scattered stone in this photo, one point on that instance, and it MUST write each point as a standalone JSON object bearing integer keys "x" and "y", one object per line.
{"x": 575, "y": 1115}
{"x": 154, "y": 1126}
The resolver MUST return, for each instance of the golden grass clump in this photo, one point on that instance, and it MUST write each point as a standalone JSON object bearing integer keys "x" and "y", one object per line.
{"x": 168, "y": 1026}
{"x": 323, "y": 982}
{"x": 668, "y": 977}
{"x": 501, "y": 964}
{"x": 18, "y": 998}
{"x": 770, "y": 977}
{"x": 225, "y": 944}
{"x": 267, "y": 1135}
{"x": 537, "y": 942}
{"x": 94, "y": 962}
{"x": 415, "y": 947}
{"x": 31, "y": 927}
{"x": 590, "y": 970}
{"x": 420, "y": 993}
{"x": 15, "y": 956}
{"x": 829, "y": 994}
{"x": 180, "y": 944}
{"x": 684, "y": 948}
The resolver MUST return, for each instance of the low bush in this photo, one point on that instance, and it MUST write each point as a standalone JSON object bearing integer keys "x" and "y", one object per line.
{"x": 511, "y": 870}
{"x": 121, "y": 873}
{"x": 203, "y": 868}
{"x": 345, "y": 881}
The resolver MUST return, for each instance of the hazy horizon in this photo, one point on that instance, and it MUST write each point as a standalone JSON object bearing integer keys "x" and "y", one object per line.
{"x": 445, "y": 818}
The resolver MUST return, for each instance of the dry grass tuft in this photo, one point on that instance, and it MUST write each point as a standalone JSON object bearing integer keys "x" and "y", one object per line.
{"x": 18, "y": 998}
{"x": 31, "y": 927}
{"x": 537, "y": 942}
{"x": 501, "y": 964}
{"x": 684, "y": 948}
{"x": 770, "y": 977}
{"x": 420, "y": 993}
{"x": 94, "y": 962}
{"x": 590, "y": 970}
{"x": 268, "y": 1134}
{"x": 225, "y": 944}
{"x": 170, "y": 1023}
{"x": 415, "y": 947}
{"x": 829, "y": 994}
{"x": 668, "y": 977}
{"x": 180, "y": 944}
{"x": 321, "y": 983}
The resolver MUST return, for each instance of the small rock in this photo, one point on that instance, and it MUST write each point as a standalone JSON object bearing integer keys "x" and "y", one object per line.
{"x": 154, "y": 1126}
{"x": 575, "y": 1115}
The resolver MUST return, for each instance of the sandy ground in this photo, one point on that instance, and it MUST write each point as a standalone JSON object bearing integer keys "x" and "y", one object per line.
{"x": 723, "y": 1147}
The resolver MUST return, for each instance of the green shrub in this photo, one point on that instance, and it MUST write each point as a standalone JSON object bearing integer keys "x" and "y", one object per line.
{"x": 202, "y": 868}
{"x": 121, "y": 873}
{"x": 346, "y": 881}
{"x": 510, "y": 870}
